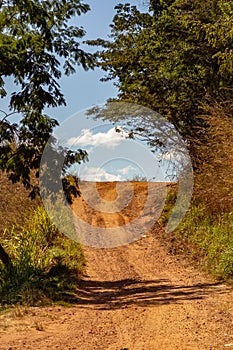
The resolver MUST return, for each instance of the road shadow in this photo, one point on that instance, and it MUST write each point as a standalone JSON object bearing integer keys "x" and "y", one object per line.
{"x": 124, "y": 293}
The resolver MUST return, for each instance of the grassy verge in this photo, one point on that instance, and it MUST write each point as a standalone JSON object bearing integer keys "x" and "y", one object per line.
{"x": 205, "y": 238}
{"x": 169, "y": 204}
{"x": 209, "y": 240}
{"x": 46, "y": 265}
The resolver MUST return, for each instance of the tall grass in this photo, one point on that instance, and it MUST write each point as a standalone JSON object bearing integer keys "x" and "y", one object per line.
{"x": 46, "y": 265}
{"x": 214, "y": 159}
{"x": 209, "y": 240}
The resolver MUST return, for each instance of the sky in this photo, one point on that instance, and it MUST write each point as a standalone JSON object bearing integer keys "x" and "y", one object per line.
{"x": 111, "y": 156}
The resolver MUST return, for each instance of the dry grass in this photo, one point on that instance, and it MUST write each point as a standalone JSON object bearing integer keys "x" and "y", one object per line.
{"x": 213, "y": 178}
{"x": 14, "y": 202}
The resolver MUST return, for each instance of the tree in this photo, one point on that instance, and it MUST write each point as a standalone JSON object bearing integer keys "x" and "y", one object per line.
{"x": 173, "y": 59}
{"x": 38, "y": 43}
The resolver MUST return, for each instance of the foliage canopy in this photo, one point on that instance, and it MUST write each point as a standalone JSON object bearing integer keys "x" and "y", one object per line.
{"x": 38, "y": 44}
{"x": 173, "y": 59}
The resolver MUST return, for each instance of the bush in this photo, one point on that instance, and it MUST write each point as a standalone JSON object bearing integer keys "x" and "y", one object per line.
{"x": 46, "y": 265}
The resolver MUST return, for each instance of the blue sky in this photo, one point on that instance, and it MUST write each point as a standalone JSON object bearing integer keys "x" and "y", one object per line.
{"x": 110, "y": 158}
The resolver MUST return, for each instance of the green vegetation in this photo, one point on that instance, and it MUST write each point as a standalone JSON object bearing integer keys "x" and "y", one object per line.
{"x": 209, "y": 240}
{"x": 45, "y": 265}
{"x": 206, "y": 234}
{"x": 169, "y": 204}
{"x": 38, "y": 45}
{"x": 173, "y": 59}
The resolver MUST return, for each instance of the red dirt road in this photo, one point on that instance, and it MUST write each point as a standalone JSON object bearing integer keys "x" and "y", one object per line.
{"x": 135, "y": 297}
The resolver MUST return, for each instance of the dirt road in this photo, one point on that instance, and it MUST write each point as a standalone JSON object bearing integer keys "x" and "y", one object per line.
{"x": 134, "y": 297}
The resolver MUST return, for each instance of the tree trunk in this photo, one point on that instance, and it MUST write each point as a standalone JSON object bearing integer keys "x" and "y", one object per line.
{"x": 4, "y": 257}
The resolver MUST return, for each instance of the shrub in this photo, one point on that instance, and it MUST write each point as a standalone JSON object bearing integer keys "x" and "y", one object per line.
{"x": 46, "y": 265}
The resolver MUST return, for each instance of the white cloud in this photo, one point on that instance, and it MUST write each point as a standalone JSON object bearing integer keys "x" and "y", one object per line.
{"x": 97, "y": 174}
{"x": 126, "y": 171}
{"x": 109, "y": 139}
